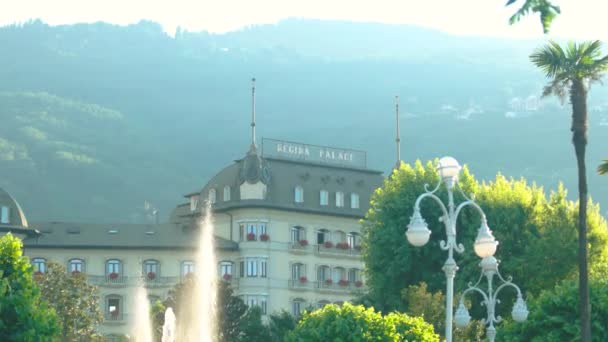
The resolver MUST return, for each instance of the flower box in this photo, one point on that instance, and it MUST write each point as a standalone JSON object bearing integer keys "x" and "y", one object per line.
{"x": 227, "y": 276}
{"x": 358, "y": 283}
{"x": 113, "y": 275}
{"x": 328, "y": 281}
{"x": 343, "y": 245}
{"x": 303, "y": 243}
{"x": 343, "y": 282}
{"x": 264, "y": 237}
{"x": 328, "y": 244}
{"x": 303, "y": 279}
{"x": 151, "y": 275}
{"x": 250, "y": 237}
{"x": 75, "y": 272}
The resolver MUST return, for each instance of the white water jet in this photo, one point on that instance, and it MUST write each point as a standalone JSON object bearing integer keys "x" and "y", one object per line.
{"x": 142, "y": 331}
{"x": 169, "y": 326}
{"x": 201, "y": 325}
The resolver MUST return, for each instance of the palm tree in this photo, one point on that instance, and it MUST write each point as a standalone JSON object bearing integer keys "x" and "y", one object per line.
{"x": 603, "y": 168}
{"x": 571, "y": 71}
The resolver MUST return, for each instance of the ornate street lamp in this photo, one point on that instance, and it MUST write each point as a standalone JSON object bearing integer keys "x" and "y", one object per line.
{"x": 489, "y": 268}
{"x": 418, "y": 233}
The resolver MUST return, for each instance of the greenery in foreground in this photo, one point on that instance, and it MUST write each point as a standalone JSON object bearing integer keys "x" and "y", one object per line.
{"x": 357, "y": 323}
{"x": 24, "y": 316}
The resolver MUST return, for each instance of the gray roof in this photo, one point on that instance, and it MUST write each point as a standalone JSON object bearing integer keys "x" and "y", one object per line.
{"x": 17, "y": 221}
{"x": 282, "y": 178}
{"x": 123, "y": 236}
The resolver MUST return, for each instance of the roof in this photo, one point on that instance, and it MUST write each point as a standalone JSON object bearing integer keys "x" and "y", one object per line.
{"x": 123, "y": 236}
{"x": 17, "y": 222}
{"x": 281, "y": 178}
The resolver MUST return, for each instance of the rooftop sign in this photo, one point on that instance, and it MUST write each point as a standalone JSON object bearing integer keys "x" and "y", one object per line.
{"x": 313, "y": 153}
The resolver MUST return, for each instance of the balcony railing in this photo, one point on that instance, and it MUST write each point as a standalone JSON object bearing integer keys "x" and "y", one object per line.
{"x": 339, "y": 286}
{"x": 117, "y": 317}
{"x": 298, "y": 284}
{"x": 120, "y": 280}
{"x": 337, "y": 250}
{"x": 159, "y": 281}
{"x": 108, "y": 280}
{"x": 299, "y": 246}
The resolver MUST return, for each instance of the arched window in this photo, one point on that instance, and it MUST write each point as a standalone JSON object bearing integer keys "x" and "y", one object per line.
{"x": 353, "y": 239}
{"x": 76, "y": 265}
{"x": 193, "y": 202}
{"x": 354, "y": 275}
{"x": 323, "y": 273}
{"x": 297, "y": 306}
{"x": 225, "y": 270}
{"x": 5, "y": 215}
{"x": 339, "y": 273}
{"x": 323, "y": 236}
{"x": 187, "y": 267}
{"x": 151, "y": 269}
{"x": 298, "y": 270}
{"x": 212, "y": 196}
{"x": 39, "y": 265}
{"x": 114, "y": 308}
{"x": 354, "y": 200}
{"x": 299, "y": 194}
{"x": 226, "y": 193}
{"x": 324, "y": 197}
{"x": 298, "y": 234}
{"x": 113, "y": 266}
{"x": 339, "y": 199}
{"x": 339, "y": 236}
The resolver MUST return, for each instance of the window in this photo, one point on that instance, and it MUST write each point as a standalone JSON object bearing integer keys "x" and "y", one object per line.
{"x": 193, "y": 202}
{"x": 297, "y": 305}
{"x": 187, "y": 267}
{"x": 151, "y": 266}
{"x": 251, "y": 231}
{"x": 39, "y": 265}
{"x": 256, "y": 300}
{"x": 354, "y": 201}
{"x": 324, "y": 197}
{"x": 252, "y": 267}
{"x": 297, "y": 271}
{"x": 212, "y": 196}
{"x": 352, "y": 239}
{"x": 242, "y": 269}
{"x": 353, "y": 275}
{"x": 4, "y": 215}
{"x": 264, "y": 304}
{"x": 323, "y": 273}
{"x": 262, "y": 227}
{"x": 297, "y": 234}
{"x": 113, "y": 307}
{"x": 339, "y": 199}
{"x": 226, "y": 193}
{"x": 322, "y": 236}
{"x": 226, "y": 269}
{"x": 113, "y": 266}
{"x": 263, "y": 268}
{"x": 299, "y": 194}
{"x": 338, "y": 274}
{"x": 252, "y": 301}
{"x": 76, "y": 265}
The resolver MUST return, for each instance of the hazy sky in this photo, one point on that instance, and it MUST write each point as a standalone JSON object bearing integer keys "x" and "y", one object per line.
{"x": 583, "y": 19}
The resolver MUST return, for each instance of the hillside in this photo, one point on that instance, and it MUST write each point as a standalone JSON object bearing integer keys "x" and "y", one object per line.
{"x": 97, "y": 118}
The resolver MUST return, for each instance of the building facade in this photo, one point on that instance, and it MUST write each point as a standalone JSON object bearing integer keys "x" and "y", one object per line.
{"x": 286, "y": 225}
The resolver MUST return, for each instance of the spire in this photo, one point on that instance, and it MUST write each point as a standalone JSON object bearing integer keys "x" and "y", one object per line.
{"x": 398, "y": 139}
{"x": 253, "y": 145}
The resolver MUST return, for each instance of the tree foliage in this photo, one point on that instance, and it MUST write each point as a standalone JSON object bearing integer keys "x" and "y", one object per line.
{"x": 603, "y": 168}
{"x": 358, "y": 324}
{"x": 555, "y": 315}
{"x": 280, "y": 324}
{"x": 528, "y": 225}
{"x": 74, "y": 300}
{"x": 546, "y": 10}
{"x": 23, "y": 315}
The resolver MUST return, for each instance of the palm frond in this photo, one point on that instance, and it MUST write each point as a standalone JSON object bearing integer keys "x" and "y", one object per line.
{"x": 550, "y": 58}
{"x": 545, "y": 8}
{"x": 603, "y": 168}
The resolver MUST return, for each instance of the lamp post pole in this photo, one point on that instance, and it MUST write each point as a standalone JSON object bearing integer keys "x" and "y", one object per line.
{"x": 489, "y": 268}
{"x": 418, "y": 233}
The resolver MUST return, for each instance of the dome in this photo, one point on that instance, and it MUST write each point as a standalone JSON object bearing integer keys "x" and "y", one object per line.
{"x": 12, "y": 218}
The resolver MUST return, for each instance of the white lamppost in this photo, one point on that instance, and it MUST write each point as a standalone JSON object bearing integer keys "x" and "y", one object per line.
{"x": 489, "y": 268}
{"x": 418, "y": 233}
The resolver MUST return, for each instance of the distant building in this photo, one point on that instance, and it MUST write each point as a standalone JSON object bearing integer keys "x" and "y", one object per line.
{"x": 286, "y": 225}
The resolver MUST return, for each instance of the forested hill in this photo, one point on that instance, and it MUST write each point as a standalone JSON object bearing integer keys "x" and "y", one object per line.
{"x": 95, "y": 119}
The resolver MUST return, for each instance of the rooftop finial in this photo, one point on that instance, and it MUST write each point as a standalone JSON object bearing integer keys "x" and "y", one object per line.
{"x": 253, "y": 145}
{"x": 398, "y": 139}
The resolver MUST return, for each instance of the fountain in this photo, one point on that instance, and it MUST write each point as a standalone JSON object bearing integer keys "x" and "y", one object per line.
{"x": 169, "y": 326}
{"x": 143, "y": 327}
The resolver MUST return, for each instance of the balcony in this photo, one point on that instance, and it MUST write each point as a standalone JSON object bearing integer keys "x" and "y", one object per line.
{"x": 110, "y": 280}
{"x": 159, "y": 282}
{"x": 338, "y": 250}
{"x": 341, "y": 286}
{"x": 297, "y": 284}
{"x": 117, "y": 318}
{"x": 300, "y": 247}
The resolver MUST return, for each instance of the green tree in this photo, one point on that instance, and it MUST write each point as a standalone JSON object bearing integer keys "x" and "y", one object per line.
{"x": 527, "y": 224}
{"x": 545, "y": 8}
{"x": 23, "y": 315}
{"x": 571, "y": 71}
{"x": 251, "y": 327}
{"x": 554, "y": 315}
{"x": 280, "y": 324}
{"x": 74, "y": 300}
{"x": 603, "y": 168}
{"x": 357, "y": 323}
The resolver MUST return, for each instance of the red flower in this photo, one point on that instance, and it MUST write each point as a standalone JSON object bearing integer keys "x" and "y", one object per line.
{"x": 75, "y": 272}
{"x": 151, "y": 275}
{"x": 328, "y": 244}
{"x": 303, "y": 242}
{"x": 358, "y": 283}
{"x": 343, "y": 282}
{"x": 113, "y": 275}
{"x": 328, "y": 281}
{"x": 303, "y": 279}
{"x": 264, "y": 237}
{"x": 343, "y": 245}
{"x": 250, "y": 236}
{"x": 227, "y": 276}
